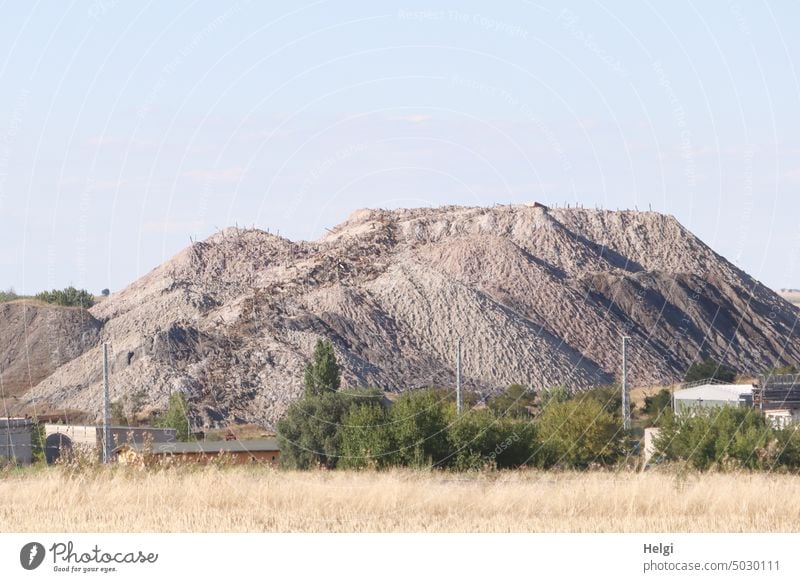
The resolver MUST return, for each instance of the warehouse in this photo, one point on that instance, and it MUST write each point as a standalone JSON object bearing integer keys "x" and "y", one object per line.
{"x": 711, "y": 394}
{"x": 16, "y": 440}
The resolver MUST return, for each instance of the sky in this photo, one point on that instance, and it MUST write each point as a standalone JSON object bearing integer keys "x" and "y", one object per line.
{"x": 128, "y": 129}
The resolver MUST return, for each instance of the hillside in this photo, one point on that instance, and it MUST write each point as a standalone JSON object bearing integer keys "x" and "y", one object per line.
{"x": 539, "y": 296}
{"x": 36, "y": 339}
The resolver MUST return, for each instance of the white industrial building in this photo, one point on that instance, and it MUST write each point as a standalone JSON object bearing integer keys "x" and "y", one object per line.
{"x": 16, "y": 440}
{"x": 711, "y": 394}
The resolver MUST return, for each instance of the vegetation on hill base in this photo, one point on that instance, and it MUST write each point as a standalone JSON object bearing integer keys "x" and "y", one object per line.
{"x": 68, "y": 297}
{"x": 727, "y": 438}
{"x": 709, "y": 369}
{"x": 176, "y": 416}
{"x": 345, "y": 429}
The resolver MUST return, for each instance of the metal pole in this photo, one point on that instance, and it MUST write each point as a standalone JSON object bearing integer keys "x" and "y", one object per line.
{"x": 459, "y": 404}
{"x": 626, "y": 409}
{"x": 106, "y": 431}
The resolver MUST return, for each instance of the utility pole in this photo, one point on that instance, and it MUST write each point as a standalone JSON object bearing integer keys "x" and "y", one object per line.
{"x": 459, "y": 397}
{"x": 626, "y": 409}
{"x": 106, "y": 430}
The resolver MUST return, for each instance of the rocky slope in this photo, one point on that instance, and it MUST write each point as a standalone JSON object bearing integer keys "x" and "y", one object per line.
{"x": 539, "y": 296}
{"x": 36, "y": 339}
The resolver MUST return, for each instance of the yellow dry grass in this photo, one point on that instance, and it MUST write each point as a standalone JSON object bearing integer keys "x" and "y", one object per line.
{"x": 260, "y": 499}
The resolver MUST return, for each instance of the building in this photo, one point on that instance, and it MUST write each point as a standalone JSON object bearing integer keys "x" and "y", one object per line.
{"x": 16, "y": 440}
{"x": 236, "y": 452}
{"x": 711, "y": 394}
{"x": 64, "y": 437}
{"x": 778, "y": 397}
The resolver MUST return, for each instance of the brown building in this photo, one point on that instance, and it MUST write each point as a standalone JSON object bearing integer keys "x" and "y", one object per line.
{"x": 236, "y": 452}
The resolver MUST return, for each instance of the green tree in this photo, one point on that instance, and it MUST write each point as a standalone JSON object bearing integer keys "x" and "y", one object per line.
{"x": 68, "y": 297}
{"x": 709, "y": 369}
{"x": 105, "y": 292}
{"x": 322, "y": 372}
{"x": 419, "y": 419}
{"x": 367, "y": 437}
{"x": 725, "y": 437}
{"x": 609, "y": 397}
{"x": 310, "y": 432}
{"x": 176, "y": 416}
{"x": 514, "y": 402}
{"x": 553, "y": 394}
{"x": 578, "y": 433}
{"x": 657, "y": 404}
{"x": 479, "y": 439}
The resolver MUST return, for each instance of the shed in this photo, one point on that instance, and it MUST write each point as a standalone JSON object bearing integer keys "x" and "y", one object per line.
{"x": 16, "y": 440}
{"x": 238, "y": 452}
{"x": 61, "y": 437}
{"x": 712, "y": 395}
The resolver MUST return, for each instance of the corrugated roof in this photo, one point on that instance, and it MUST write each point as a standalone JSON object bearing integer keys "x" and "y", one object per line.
{"x": 206, "y": 447}
{"x": 724, "y": 392}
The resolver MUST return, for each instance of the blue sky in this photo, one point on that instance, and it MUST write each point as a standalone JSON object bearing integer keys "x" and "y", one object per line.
{"x": 128, "y": 127}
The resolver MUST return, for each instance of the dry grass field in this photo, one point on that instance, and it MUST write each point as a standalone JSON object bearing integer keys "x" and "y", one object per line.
{"x": 259, "y": 499}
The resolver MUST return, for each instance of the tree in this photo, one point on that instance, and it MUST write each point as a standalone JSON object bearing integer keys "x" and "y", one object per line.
{"x": 479, "y": 439}
{"x": 310, "y": 434}
{"x": 419, "y": 419}
{"x": 726, "y": 437}
{"x": 578, "y": 433}
{"x": 322, "y": 372}
{"x": 709, "y": 369}
{"x": 367, "y": 437}
{"x": 68, "y": 297}
{"x": 514, "y": 402}
{"x": 105, "y": 292}
{"x": 656, "y": 405}
{"x": 553, "y": 395}
{"x": 176, "y": 416}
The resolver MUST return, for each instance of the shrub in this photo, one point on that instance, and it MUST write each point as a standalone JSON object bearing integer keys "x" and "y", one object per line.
{"x": 367, "y": 437}
{"x": 69, "y": 297}
{"x": 514, "y": 402}
{"x": 578, "y": 433}
{"x": 419, "y": 420}
{"x": 727, "y": 437}
{"x": 479, "y": 439}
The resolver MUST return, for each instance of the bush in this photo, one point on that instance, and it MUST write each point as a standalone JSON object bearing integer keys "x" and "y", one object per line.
{"x": 419, "y": 420}
{"x": 514, "y": 402}
{"x": 478, "y": 439}
{"x": 367, "y": 437}
{"x": 608, "y": 397}
{"x": 176, "y": 416}
{"x": 69, "y": 297}
{"x": 578, "y": 433}
{"x": 724, "y": 438}
{"x": 709, "y": 369}
{"x": 8, "y": 295}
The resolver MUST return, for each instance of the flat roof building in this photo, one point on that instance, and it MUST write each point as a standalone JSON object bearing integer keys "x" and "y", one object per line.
{"x": 712, "y": 395}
